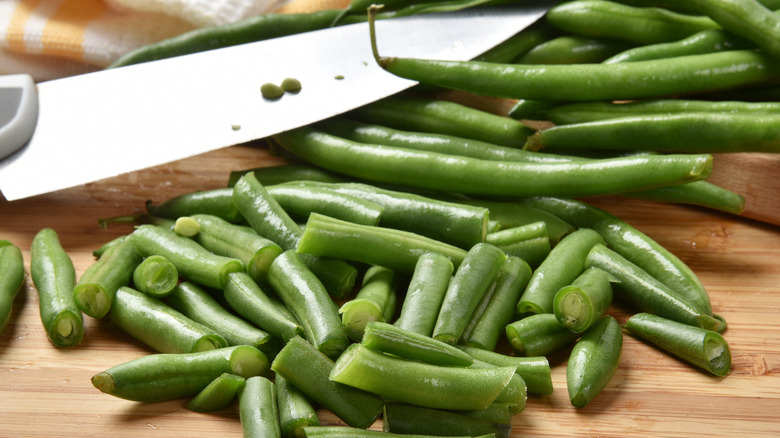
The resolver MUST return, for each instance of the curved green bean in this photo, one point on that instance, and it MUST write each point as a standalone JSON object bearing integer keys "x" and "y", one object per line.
{"x": 572, "y": 49}
{"x": 746, "y": 18}
{"x": 705, "y": 41}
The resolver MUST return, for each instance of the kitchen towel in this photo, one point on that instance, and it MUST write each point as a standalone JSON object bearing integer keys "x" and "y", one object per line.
{"x": 49, "y": 39}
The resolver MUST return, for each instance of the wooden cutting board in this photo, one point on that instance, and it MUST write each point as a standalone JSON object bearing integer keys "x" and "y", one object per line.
{"x": 46, "y": 392}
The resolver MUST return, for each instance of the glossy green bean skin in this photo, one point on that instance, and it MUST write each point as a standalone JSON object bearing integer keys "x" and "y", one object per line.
{"x": 11, "y": 280}
{"x": 705, "y": 41}
{"x": 519, "y": 44}
{"x": 588, "y": 82}
{"x": 593, "y": 361}
{"x": 412, "y": 113}
{"x": 309, "y": 301}
{"x": 96, "y": 287}
{"x": 529, "y": 242}
{"x": 375, "y": 301}
{"x": 705, "y": 349}
{"x": 301, "y": 364}
{"x": 418, "y": 383}
{"x": 471, "y": 282}
{"x": 701, "y": 193}
{"x": 295, "y": 410}
{"x": 496, "y": 309}
{"x": 390, "y": 339}
{"x": 632, "y": 244}
{"x": 216, "y": 202}
{"x": 581, "y": 304}
{"x": 513, "y": 214}
{"x": 54, "y": 276}
{"x": 159, "y": 326}
{"x": 218, "y": 394}
{"x": 300, "y": 200}
{"x": 535, "y": 370}
{"x": 746, "y": 18}
{"x": 353, "y": 432}
{"x": 155, "y": 276}
{"x": 272, "y": 175}
{"x": 690, "y": 132}
{"x": 565, "y": 263}
{"x": 410, "y": 420}
{"x": 641, "y": 290}
{"x": 569, "y": 49}
{"x": 429, "y": 282}
{"x": 258, "y": 410}
{"x": 538, "y": 335}
{"x": 607, "y": 19}
{"x": 167, "y": 376}
{"x": 447, "y": 173}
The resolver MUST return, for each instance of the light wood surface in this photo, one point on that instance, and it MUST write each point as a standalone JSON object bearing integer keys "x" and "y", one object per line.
{"x": 46, "y": 392}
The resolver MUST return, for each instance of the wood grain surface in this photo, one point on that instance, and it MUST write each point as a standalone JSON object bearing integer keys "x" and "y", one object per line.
{"x": 46, "y": 392}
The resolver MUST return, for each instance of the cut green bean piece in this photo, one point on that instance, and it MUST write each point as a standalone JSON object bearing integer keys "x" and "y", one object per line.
{"x": 538, "y": 335}
{"x": 301, "y": 200}
{"x": 11, "y": 279}
{"x": 583, "y": 303}
{"x": 390, "y": 339}
{"x": 54, "y": 276}
{"x": 353, "y": 432}
{"x": 217, "y": 202}
{"x": 167, "y": 376}
{"x": 529, "y": 242}
{"x": 514, "y": 393}
{"x": 375, "y": 301}
{"x": 429, "y": 282}
{"x": 309, "y": 301}
{"x": 94, "y": 292}
{"x": 308, "y": 369}
{"x": 258, "y": 411}
{"x": 295, "y": 410}
{"x": 470, "y": 283}
{"x": 593, "y": 361}
{"x": 419, "y": 383}
{"x": 155, "y": 276}
{"x": 535, "y": 370}
{"x": 705, "y": 349}
{"x": 513, "y": 214}
{"x": 410, "y": 420}
{"x": 218, "y": 394}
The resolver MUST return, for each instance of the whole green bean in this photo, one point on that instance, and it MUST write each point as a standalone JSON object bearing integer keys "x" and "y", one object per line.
{"x": 257, "y": 408}
{"x": 705, "y": 41}
{"x": 538, "y": 335}
{"x": 428, "y": 170}
{"x": 308, "y": 369}
{"x": 167, "y": 376}
{"x": 429, "y": 282}
{"x": 300, "y": 200}
{"x": 155, "y": 276}
{"x": 216, "y": 202}
{"x": 396, "y": 341}
{"x": 593, "y": 361}
{"x": 54, "y": 276}
{"x": 375, "y": 301}
{"x": 535, "y": 370}
{"x": 410, "y": 420}
{"x": 703, "y": 348}
{"x": 746, "y": 18}
{"x": 159, "y": 326}
{"x": 295, "y": 410}
{"x": 572, "y": 49}
{"x": 11, "y": 279}
{"x": 218, "y": 394}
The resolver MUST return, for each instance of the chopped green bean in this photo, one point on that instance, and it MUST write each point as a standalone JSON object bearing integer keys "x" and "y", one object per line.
{"x": 258, "y": 411}
{"x": 218, "y": 394}
{"x": 410, "y": 420}
{"x": 375, "y": 301}
{"x": 155, "y": 276}
{"x": 580, "y": 305}
{"x": 429, "y": 282}
{"x": 593, "y": 361}
{"x": 538, "y": 335}
{"x": 295, "y": 410}
{"x": 217, "y": 202}
{"x": 535, "y": 370}
{"x": 396, "y": 341}
{"x": 11, "y": 279}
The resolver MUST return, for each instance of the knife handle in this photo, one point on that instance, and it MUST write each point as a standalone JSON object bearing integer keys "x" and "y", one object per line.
{"x": 18, "y": 112}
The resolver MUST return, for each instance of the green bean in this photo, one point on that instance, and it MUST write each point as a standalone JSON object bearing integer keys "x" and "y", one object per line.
{"x": 258, "y": 411}
{"x": 535, "y": 370}
{"x": 198, "y": 305}
{"x": 396, "y": 341}
{"x": 236, "y": 241}
{"x": 496, "y": 308}
{"x": 702, "y": 348}
{"x": 642, "y": 291}
{"x": 413, "y": 113}
{"x": 632, "y": 244}
{"x": 98, "y": 252}
{"x": 513, "y": 214}
{"x": 247, "y": 299}
{"x": 687, "y": 6}
{"x": 418, "y": 383}
{"x": 572, "y": 49}
{"x": 353, "y": 432}
{"x": 606, "y": 19}
{"x": 593, "y": 361}
{"x": 518, "y": 44}
{"x": 514, "y": 394}
{"x": 218, "y": 394}
{"x": 308, "y": 369}
{"x": 700, "y": 193}
{"x": 565, "y": 263}
{"x": 54, "y": 276}
{"x": 529, "y": 242}
{"x": 705, "y": 41}
{"x": 216, "y": 202}
{"x": 301, "y": 200}
{"x": 580, "y": 305}
{"x": 429, "y": 282}
{"x": 155, "y": 276}
{"x": 11, "y": 279}
{"x": 95, "y": 289}
{"x": 410, "y": 420}
{"x": 269, "y": 219}
{"x": 690, "y": 132}
{"x": 447, "y": 173}
{"x": 470, "y": 283}
{"x": 375, "y": 301}
{"x": 449, "y": 222}
{"x": 167, "y": 376}
{"x": 538, "y": 335}
{"x": 295, "y": 410}
{"x": 272, "y": 175}
{"x": 159, "y": 326}
{"x": 394, "y": 249}
{"x": 746, "y": 18}
{"x": 193, "y": 262}
{"x": 257, "y": 28}
{"x": 530, "y": 109}
{"x": 309, "y": 301}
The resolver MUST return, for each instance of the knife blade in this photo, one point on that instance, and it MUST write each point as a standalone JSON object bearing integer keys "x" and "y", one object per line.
{"x": 102, "y": 124}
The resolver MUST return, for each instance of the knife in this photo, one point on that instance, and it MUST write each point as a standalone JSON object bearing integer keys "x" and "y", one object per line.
{"x": 84, "y": 128}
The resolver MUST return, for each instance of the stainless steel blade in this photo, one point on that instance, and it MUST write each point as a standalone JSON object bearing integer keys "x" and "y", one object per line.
{"x": 102, "y": 124}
